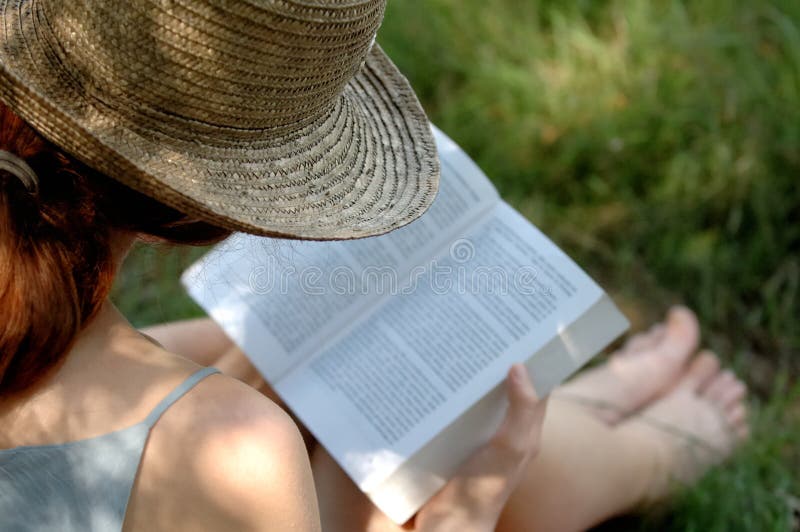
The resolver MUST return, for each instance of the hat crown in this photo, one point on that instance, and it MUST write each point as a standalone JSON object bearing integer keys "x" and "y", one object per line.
{"x": 257, "y": 64}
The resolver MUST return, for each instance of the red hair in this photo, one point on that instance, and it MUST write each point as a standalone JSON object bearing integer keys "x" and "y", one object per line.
{"x": 56, "y": 262}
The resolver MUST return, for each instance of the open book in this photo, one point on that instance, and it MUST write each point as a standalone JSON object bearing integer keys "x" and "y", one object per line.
{"x": 393, "y": 350}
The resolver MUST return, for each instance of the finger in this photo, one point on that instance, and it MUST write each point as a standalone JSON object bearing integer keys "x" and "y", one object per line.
{"x": 519, "y": 432}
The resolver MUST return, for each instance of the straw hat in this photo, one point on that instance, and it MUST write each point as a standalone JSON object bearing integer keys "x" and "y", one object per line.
{"x": 276, "y": 117}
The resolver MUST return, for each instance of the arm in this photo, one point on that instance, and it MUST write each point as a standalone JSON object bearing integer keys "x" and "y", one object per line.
{"x": 224, "y": 458}
{"x": 264, "y": 476}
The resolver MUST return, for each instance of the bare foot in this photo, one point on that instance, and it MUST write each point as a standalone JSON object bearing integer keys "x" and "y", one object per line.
{"x": 649, "y": 364}
{"x": 693, "y": 427}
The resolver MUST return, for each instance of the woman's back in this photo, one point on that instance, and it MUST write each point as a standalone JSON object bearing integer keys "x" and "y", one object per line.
{"x": 219, "y": 454}
{"x": 81, "y": 484}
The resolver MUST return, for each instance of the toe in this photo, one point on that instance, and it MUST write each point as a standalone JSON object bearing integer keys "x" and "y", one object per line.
{"x": 681, "y": 334}
{"x": 726, "y": 394}
{"x": 645, "y": 340}
{"x": 701, "y": 371}
{"x": 733, "y": 395}
{"x": 737, "y": 415}
{"x": 634, "y": 343}
{"x": 720, "y": 387}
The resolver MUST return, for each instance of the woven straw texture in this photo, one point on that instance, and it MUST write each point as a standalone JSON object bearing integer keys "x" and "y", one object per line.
{"x": 273, "y": 117}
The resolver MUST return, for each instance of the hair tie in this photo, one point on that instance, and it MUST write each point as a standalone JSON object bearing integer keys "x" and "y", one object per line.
{"x": 15, "y": 165}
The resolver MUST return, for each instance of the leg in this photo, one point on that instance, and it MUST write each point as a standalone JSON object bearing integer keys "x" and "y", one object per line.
{"x": 200, "y": 340}
{"x": 588, "y": 471}
{"x": 204, "y": 342}
{"x": 585, "y": 473}
{"x": 645, "y": 367}
{"x": 568, "y": 486}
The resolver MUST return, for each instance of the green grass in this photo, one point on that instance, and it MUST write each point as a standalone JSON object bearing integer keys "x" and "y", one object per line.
{"x": 659, "y": 144}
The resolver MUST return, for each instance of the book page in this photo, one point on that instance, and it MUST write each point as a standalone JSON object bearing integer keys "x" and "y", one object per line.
{"x": 280, "y": 300}
{"x": 429, "y": 469}
{"x": 393, "y": 380}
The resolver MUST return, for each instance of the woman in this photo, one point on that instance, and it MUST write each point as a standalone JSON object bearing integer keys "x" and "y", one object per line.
{"x": 181, "y": 122}
{"x": 616, "y": 439}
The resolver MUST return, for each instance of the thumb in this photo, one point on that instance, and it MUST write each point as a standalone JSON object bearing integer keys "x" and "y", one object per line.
{"x": 474, "y": 498}
{"x": 518, "y": 435}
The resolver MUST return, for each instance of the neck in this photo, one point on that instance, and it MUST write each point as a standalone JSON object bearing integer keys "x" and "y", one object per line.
{"x": 111, "y": 346}
{"x": 108, "y": 379}
{"x": 94, "y": 349}
{"x": 108, "y": 328}
{"x": 107, "y": 338}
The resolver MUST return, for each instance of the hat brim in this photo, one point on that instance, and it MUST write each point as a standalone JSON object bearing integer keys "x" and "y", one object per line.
{"x": 367, "y": 166}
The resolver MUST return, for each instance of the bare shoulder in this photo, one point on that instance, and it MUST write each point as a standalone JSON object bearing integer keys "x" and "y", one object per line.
{"x": 224, "y": 457}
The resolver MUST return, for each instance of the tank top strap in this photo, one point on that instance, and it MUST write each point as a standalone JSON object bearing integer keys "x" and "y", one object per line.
{"x": 177, "y": 393}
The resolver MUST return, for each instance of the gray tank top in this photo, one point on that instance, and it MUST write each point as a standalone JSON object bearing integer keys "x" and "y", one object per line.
{"x": 77, "y": 486}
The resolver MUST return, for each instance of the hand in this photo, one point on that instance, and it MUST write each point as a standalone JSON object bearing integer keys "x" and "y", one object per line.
{"x": 473, "y": 500}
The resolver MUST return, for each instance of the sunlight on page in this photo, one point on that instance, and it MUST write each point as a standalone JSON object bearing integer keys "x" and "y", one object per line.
{"x": 570, "y": 346}
{"x": 371, "y": 466}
